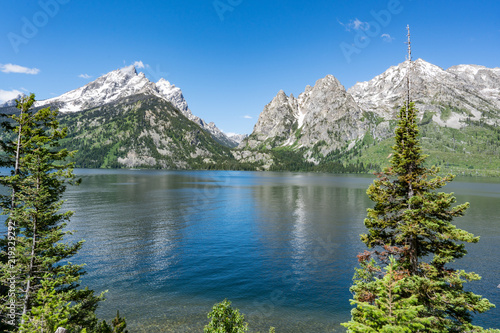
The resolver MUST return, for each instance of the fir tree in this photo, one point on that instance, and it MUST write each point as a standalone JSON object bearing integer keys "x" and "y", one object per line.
{"x": 389, "y": 311}
{"x": 45, "y": 292}
{"x": 225, "y": 319}
{"x": 412, "y": 222}
{"x": 118, "y": 325}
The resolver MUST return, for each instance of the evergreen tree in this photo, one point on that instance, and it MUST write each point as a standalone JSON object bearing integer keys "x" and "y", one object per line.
{"x": 118, "y": 325}
{"x": 49, "y": 313}
{"x": 43, "y": 285}
{"x": 411, "y": 221}
{"x": 390, "y": 310}
{"x": 225, "y": 319}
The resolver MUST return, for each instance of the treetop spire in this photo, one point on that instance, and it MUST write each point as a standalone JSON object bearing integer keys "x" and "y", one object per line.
{"x": 408, "y": 81}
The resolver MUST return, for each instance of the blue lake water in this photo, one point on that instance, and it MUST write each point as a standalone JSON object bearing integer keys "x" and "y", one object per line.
{"x": 281, "y": 246}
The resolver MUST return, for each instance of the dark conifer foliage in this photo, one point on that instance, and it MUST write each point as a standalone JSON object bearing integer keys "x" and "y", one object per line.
{"x": 412, "y": 241}
{"x": 34, "y": 257}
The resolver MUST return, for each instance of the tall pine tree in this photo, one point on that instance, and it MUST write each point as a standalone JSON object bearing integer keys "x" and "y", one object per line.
{"x": 411, "y": 223}
{"x": 42, "y": 285}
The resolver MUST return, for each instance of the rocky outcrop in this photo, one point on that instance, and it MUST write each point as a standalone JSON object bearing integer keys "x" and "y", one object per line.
{"x": 331, "y": 117}
{"x": 450, "y": 97}
{"x": 275, "y": 124}
{"x": 325, "y": 116}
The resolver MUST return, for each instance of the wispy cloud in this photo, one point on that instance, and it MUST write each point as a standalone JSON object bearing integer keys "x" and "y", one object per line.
{"x": 140, "y": 64}
{"x": 11, "y": 68}
{"x": 387, "y": 38}
{"x": 359, "y": 25}
{"x": 247, "y": 117}
{"x": 355, "y": 24}
{"x": 342, "y": 24}
{"x": 84, "y": 76}
{"x": 6, "y": 95}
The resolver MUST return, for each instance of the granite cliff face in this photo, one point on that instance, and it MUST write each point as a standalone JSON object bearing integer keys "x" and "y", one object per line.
{"x": 331, "y": 117}
{"x": 275, "y": 123}
{"x": 324, "y": 116}
{"x": 327, "y": 118}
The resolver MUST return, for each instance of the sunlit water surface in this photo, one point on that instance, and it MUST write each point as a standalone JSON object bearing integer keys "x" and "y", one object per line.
{"x": 281, "y": 246}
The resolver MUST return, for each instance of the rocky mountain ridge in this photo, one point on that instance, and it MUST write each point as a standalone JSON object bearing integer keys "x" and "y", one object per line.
{"x": 450, "y": 96}
{"x": 12, "y": 102}
{"x": 140, "y": 131}
{"x": 320, "y": 115}
{"x": 129, "y": 121}
{"x": 123, "y": 83}
{"x": 326, "y": 117}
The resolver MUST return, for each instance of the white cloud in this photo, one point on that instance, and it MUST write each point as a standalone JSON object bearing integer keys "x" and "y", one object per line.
{"x": 84, "y": 76}
{"x": 9, "y": 95}
{"x": 11, "y": 68}
{"x": 139, "y": 64}
{"x": 359, "y": 25}
{"x": 247, "y": 117}
{"x": 355, "y": 24}
{"x": 342, "y": 24}
{"x": 386, "y": 38}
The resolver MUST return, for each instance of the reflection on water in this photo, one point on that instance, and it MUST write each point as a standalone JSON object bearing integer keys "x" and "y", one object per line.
{"x": 281, "y": 246}
{"x": 299, "y": 235}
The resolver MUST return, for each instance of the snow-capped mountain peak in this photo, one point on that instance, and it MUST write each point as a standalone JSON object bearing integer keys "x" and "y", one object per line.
{"x": 129, "y": 70}
{"x": 426, "y": 68}
{"x": 125, "y": 82}
{"x": 165, "y": 83}
{"x": 385, "y": 90}
{"x": 460, "y": 91}
{"x": 174, "y": 95}
{"x": 486, "y": 80}
{"x": 105, "y": 89}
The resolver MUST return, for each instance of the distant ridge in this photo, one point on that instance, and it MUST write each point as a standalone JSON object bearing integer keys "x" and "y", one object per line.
{"x": 126, "y": 82}
{"x": 329, "y": 124}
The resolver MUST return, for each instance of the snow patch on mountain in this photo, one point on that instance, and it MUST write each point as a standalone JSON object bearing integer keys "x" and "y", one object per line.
{"x": 452, "y": 96}
{"x": 486, "y": 80}
{"x": 323, "y": 116}
{"x": 173, "y": 94}
{"x": 237, "y": 137}
{"x": 12, "y": 102}
{"x": 108, "y": 88}
{"x": 123, "y": 83}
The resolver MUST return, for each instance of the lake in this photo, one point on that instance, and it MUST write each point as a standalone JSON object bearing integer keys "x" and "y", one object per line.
{"x": 281, "y": 246}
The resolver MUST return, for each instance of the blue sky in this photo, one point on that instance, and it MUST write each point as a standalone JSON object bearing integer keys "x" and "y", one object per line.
{"x": 231, "y": 57}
